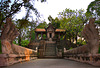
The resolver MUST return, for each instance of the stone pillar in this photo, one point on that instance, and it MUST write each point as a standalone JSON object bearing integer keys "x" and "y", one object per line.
{"x": 37, "y": 37}
{"x": 47, "y": 35}
{"x": 59, "y": 36}
{"x": 53, "y": 34}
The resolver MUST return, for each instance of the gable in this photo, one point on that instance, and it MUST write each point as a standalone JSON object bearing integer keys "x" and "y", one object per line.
{"x": 50, "y": 28}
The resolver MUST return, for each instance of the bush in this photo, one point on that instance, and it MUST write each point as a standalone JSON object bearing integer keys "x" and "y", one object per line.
{"x": 44, "y": 36}
{"x": 71, "y": 48}
{"x": 0, "y": 47}
{"x": 14, "y": 42}
{"x": 79, "y": 41}
{"x": 24, "y": 43}
{"x": 33, "y": 36}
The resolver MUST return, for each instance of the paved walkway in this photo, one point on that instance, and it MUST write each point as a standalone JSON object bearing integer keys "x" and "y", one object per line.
{"x": 51, "y": 63}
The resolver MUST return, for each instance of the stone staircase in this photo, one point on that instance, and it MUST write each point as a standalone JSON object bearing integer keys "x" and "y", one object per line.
{"x": 50, "y": 49}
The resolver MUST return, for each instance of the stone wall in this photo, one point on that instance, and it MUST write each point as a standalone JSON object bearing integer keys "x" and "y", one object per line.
{"x": 12, "y": 53}
{"x": 89, "y": 52}
{"x": 33, "y": 44}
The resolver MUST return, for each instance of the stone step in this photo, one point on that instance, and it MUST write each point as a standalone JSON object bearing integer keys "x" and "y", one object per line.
{"x": 50, "y": 50}
{"x": 50, "y": 47}
{"x": 50, "y": 42}
{"x": 50, "y": 56}
{"x": 50, "y": 53}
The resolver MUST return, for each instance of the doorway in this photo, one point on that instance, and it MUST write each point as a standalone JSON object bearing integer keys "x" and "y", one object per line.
{"x": 50, "y": 34}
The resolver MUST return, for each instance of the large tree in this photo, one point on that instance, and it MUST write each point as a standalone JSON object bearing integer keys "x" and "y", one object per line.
{"x": 55, "y": 22}
{"x": 73, "y": 22}
{"x": 42, "y": 25}
{"x": 94, "y": 10}
{"x": 10, "y": 7}
{"x": 21, "y": 25}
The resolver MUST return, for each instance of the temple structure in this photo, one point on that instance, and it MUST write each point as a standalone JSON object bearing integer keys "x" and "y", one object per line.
{"x": 50, "y": 32}
{"x": 47, "y": 46}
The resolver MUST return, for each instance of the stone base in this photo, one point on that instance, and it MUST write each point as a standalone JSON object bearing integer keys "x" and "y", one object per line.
{"x": 9, "y": 59}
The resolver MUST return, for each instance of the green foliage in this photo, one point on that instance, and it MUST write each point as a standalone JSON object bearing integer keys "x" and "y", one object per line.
{"x": 62, "y": 38}
{"x": 14, "y": 42}
{"x": 24, "y": 43}
{"x": 39, "y": 36}
{"x": 94, "y": 8}
{"x": 23, "y": 27}
{"x": 10, "y": 7}
{"x": 81, "y": 42}
{"x": 22, "y": 23}
{"x": 44, "y": 36}
{"x": 73, "y": 22}
{"x": 55, "y": 22}
{"x": 71, "y": 48}
{"x": 0, "y": 47}
{"x": 42, "y": 25}
{"x": 98, "y": 22}
{"x": 33, "y": 36}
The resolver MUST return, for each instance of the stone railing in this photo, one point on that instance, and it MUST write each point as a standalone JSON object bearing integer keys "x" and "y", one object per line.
{"x": 12, "y": 53}
{"x": 19, "y": 54}
{"x": 92, "y": 59}
{"x": 87, "y": 53}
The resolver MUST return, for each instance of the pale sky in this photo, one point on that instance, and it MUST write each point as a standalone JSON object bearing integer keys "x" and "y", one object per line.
{"x": 53, "y": 7}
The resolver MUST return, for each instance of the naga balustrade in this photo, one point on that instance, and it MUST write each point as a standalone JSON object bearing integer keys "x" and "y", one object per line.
{"x": 12, "y": 53}
{"x": 87, "y": 53}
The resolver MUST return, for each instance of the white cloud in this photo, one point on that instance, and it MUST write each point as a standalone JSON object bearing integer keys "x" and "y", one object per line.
{"x": 53, "y": 7}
